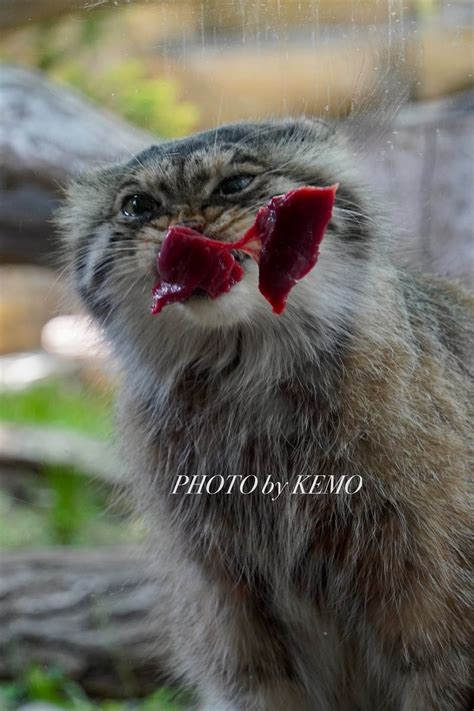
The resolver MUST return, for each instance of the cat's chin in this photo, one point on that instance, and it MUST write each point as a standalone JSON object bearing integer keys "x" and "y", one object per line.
{"x": 235, "y": 306}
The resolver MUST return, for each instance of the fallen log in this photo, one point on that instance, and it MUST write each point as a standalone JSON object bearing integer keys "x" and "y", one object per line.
{"x": 86, "y": 612}
{"x": 61, "y": 133}
{"x": 36, "y": 446}
{"x": 48, "y": 133}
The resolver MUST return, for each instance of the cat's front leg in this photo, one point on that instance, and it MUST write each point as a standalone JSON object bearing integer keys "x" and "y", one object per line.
{"x": 234, "y": 650}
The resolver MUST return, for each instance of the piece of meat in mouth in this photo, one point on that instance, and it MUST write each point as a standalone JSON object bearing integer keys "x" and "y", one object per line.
{"x": 284, "y": 240}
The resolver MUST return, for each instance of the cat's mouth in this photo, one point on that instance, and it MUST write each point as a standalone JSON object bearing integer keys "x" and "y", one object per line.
{"x": 201, "y": 294}
{"x": 240, "y": 257}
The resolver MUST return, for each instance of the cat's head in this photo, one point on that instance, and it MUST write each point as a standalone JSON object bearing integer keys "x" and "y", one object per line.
{"x": 115, "y": 219}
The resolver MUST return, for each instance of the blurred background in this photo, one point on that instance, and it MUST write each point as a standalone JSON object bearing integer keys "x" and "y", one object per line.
{"x": 83, "y": 83}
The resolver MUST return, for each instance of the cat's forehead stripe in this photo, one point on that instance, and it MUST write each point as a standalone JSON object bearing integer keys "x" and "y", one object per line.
{"x": 226, "y": 139}
{"x": 227, "y": 154}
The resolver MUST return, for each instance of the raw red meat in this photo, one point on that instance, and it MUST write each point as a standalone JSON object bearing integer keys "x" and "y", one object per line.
{"x": 187, "y": 262}
{"x": 284, "y": 240}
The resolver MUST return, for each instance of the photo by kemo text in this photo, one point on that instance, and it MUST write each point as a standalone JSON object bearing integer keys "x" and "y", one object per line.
{"x": 241, "y": 484}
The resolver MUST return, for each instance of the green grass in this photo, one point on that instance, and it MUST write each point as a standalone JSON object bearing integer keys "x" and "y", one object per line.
{"x": 65, "y": 508}
{"x": 52, "y": 687}
{"x": 60, "y": 404}
{"x": 62, "y": 507}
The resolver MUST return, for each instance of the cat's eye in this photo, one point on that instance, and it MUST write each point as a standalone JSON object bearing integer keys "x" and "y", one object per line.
{"x": 235, "y": 184}
{"x": 138, "y": 206}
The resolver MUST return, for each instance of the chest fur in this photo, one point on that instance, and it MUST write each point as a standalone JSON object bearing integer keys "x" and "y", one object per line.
{"x": 231, "y": 477}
